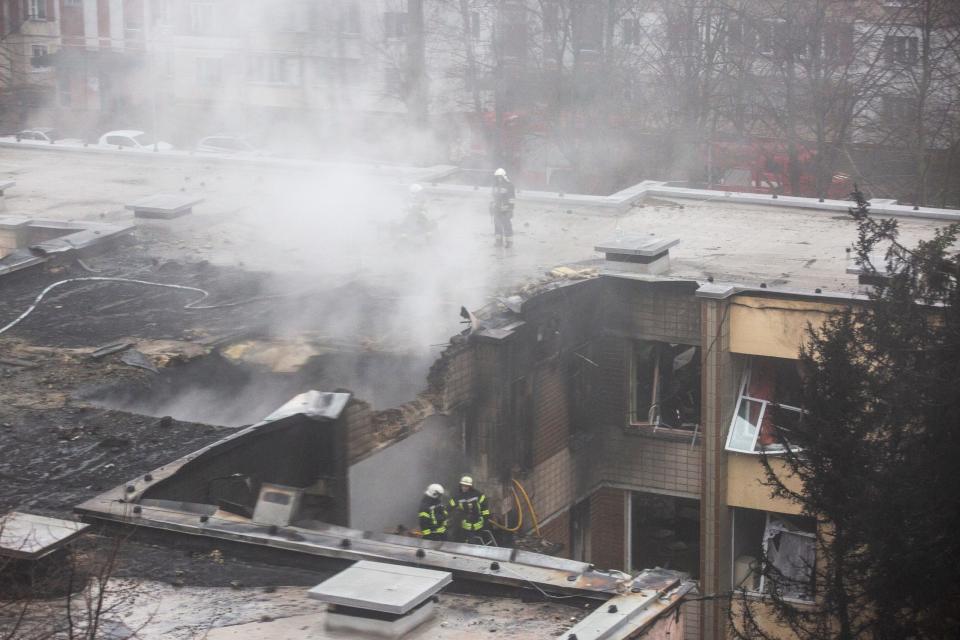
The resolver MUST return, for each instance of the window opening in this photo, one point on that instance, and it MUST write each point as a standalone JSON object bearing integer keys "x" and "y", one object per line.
{"x": 787, "y": 544}
{"x": 770, "y": 389}
{"x": 666, "y": 385}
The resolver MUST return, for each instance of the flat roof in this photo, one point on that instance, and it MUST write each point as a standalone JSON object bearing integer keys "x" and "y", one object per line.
{"x": 276, "y": 219}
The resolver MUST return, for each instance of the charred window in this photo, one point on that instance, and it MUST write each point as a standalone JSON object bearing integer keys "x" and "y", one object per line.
{"x": 768, "y": 406}
{"x": 666, "y": 385}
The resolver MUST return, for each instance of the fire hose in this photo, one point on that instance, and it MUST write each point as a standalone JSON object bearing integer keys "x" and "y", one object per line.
{"x": 194, "y": 305}
{"x": 533, "y": 512}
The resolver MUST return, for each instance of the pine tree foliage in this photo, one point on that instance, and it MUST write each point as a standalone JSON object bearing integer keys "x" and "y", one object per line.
{"x": 878, "y": 454}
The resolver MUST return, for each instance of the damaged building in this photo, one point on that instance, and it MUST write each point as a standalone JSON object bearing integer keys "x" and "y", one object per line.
{"x": 625, "y": 400}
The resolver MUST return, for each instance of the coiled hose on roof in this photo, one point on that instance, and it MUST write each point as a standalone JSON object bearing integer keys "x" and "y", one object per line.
{"x": 195, "y": 304}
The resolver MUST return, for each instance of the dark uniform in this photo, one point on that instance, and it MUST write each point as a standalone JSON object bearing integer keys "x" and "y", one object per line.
{"x": 472, "y": 504}
{"x": 501, "y": 208}
{"x": 433, "y": 518}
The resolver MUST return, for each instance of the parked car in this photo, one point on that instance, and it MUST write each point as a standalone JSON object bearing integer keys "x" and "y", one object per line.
{"x": 45, "y": 134}
{"x": 133, "y": 139}
{"x": 231, "y": 145}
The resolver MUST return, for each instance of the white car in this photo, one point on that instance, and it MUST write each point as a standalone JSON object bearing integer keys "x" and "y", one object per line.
{"x": 133, "y": 139}
{"x": 45, "y": 134}
{"x": 230, "y": 145}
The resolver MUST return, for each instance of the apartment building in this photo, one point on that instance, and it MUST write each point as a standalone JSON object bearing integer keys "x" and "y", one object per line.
{"x": 29, "y": 35}
{"x": 633, "y": 407}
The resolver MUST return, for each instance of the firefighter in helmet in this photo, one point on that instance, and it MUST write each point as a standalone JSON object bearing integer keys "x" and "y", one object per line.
{"x": 472, "y": 506}
{"x": 433, "y": 514}
{"x": 501, "y": 208}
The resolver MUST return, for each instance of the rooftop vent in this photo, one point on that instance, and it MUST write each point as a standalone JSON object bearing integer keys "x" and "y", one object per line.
{"x": 638, "y": 253}
{"x": 377, "y": 600}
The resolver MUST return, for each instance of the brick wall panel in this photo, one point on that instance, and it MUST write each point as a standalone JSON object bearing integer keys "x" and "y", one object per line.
{"x": 607, "y": 544}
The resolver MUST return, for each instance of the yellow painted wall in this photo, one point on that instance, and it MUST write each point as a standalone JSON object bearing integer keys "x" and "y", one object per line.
{"x": 770, "y": 327}
{"x": 744, "y": 489}
{"x": 764, "y": 615}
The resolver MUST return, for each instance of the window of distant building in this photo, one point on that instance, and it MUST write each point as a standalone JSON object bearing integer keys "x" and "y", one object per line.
{"x": 666, "y": 386}
{"x": 38, "y": 58}
{"x": 898, "y": 110}
{"x": 209, "y": 72}
{"x": 902, "y": 50}
{"x": 350, "y": 20}
{"x": 768, "y": 405}
{"x": 273, "y": 70}
{"x": 474, "y": 24}
{"x": 774, "y": 551}
{"x": 394, "y": 24}
{"x": 630, "y": 31}
{"x": 201, "y": 17}
{"x": 37, "y": 9}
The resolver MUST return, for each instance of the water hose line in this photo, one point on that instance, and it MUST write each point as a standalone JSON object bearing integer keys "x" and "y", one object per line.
{"x": 514, "y": 529}
{"x": 194, "y": 305}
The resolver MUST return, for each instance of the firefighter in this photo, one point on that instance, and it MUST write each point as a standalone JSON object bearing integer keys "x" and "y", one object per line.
{"x": 501, "y": 208}
{"x": 472, "y": 507}
{"x": 433, "y": 514}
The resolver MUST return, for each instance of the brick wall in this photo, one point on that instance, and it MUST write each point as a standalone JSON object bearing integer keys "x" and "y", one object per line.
{"x": 607, "y": 542}
{"x": 551, "y": 417}
{"x": 551, "y": 485}
{"x": 650, "y": 462}
{"x": 360, "y": 431}
{"x": 558, "y": 530}
{"x": 667, "y": 312}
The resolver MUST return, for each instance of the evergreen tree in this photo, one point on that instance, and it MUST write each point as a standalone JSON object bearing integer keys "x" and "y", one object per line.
{"x": 878, "y": 453}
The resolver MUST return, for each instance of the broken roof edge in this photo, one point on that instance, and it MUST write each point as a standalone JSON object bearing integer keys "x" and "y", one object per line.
{"x": 630, "y": 614}
{"x": 470, "y": 562}
{"x": 316, "y": 405}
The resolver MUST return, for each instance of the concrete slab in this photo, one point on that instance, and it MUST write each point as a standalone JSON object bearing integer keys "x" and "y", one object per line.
{"x": 6, "y": 184}
{"x": 163, "y": 205}
{"x": 377, "y": 586}
{"x": 29, "y": 536}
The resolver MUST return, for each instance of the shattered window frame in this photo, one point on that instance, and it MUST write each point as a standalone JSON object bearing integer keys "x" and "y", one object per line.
{"x": 775, "y": 527}
{"x": 652, "y": 417}
{"x": 750, "y": 427}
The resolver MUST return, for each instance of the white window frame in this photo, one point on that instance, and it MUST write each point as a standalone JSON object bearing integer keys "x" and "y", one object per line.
{"x": 756, "y": 429}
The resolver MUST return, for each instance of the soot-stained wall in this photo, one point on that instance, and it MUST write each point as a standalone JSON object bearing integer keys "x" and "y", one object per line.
{"x": 386, "y": 487}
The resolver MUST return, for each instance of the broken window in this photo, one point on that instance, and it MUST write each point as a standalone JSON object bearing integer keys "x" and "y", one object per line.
{"x": 665, "y": 532}
{"x": 774, "y": 552}
{"x": 666, "y": 385}
{"x": 768, "y": 406}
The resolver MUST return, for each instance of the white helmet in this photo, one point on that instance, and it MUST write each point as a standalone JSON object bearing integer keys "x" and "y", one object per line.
{"x": 500, "y": 173}
{"x": 466, "y": 481}
{"x": 434, "y": 491}
{"x": 415, "y": 189}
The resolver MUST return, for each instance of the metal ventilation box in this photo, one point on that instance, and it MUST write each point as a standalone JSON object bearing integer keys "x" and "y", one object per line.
{"x": 277, "y": 505}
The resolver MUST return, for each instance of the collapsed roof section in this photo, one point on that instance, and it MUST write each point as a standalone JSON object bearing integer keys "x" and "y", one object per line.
{"x": 300, "y": 450}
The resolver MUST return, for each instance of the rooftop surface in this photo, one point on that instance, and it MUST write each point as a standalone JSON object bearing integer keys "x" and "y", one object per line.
{"x": 344, "y": 223}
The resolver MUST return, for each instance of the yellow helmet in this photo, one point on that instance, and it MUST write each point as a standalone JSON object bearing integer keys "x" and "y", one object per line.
{"x": 466, "y": 481}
